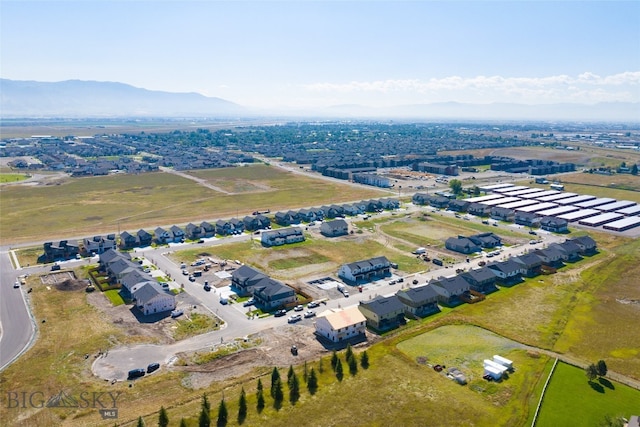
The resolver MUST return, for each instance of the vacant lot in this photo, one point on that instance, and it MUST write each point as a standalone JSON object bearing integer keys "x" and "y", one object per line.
{"x": 589, "y": 183}
{"x": 89, "y": 206}
{"x": 571, "y": 400}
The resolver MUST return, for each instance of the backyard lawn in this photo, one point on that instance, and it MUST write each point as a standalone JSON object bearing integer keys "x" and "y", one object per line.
{"x": 570, "y": 400}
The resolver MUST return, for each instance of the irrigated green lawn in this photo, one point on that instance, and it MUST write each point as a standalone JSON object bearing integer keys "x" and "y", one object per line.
{"x": 571, "y": 401}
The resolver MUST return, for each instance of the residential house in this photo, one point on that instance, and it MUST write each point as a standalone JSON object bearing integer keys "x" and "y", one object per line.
{"x": 587, "y": 245}
{"x": 319, "y": 213}
{"x": 458, "y": 205}
{"x": 224, "y": 227}
{"x": 528, "y": 219}
{"x": 509, "y": 272}
{"x": 270, "y": 294}
{"x": 61, "y": 250}
{"x": 178, "y": 234}
{"x": 330, "y": 211}
{"x": 373, "y": 206}
{"x": 419, "y": 301}
{"x": 282, "y": 236}
{"x": 365, "y": 271}
{"x": 341, "y": 325}
{"x": 531, "y": 262}
{"x": 461, "y": 244}
{"x": 129, "y": 278}
{"x": 193, "y": 232}
{"x": 99, "y": 244}
{"x": 163, "y": 236}
{"x": 257, "y": 222}
{"x": 551, "y": 256}
{"x": 486, "y": 240}
{"x": 389, "y": 203}
{"x": 128, "y": 240}
{"x": 571, "y": 249}
{"x": 351, "y": 209}
{"x": 144, "y": 238}
{"x": 449, "y": 289}
{"x": 337, "y": 227}
{"x": 478, "y": 209}
{"x": 383, "y": 313}
{"x": 237, "y": 226}
{"x": 150, "y": 298}
{"x": 307, "y": 215}
{"x": 502, "y": 214}
{"x": 439, "y": 202}
{"x": 245, "y": 279}
{"x": 208, "y": 229}
{"x": 481, "y": 280}
{"x": 420, "y": 199}
{"x": 282, "y": 218}
{"x": 553, "y": 224}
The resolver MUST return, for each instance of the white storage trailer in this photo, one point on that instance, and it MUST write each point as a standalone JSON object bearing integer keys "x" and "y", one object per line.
{"x": 503, "y": 361}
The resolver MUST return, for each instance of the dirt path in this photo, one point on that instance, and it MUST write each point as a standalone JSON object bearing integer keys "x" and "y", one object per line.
{"x": 197, "y": 180}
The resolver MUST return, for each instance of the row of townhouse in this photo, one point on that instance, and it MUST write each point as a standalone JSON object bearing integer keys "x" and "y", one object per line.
{"x": 267, "y": 292}
{"x": 193, "y": 231}
{"x": 364, "y": 271}
{"x": 383, "y": 313}
{"x": 333, "y": 211}
{"x": 67, "y": 249}
{"x": 136, "y": 285}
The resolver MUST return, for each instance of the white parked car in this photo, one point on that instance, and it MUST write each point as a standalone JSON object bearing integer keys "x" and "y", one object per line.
{"x": 298, "y": 308}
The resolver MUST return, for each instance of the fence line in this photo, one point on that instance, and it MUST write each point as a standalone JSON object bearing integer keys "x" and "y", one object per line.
{"x": 544, "y": 389}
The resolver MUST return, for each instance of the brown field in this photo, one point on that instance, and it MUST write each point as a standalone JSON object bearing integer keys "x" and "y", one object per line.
{"x": 90, "y": 206}
{"x": 606, "y": 182}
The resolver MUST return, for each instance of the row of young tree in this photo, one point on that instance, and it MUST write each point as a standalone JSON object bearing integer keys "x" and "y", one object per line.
{"x": 276, "y": 391}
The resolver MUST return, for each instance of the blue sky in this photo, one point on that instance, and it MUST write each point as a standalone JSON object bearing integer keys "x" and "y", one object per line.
{"x": 319, "y": 53}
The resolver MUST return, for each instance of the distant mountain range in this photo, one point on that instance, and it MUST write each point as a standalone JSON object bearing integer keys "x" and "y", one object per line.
{"x": 77, "y": 99}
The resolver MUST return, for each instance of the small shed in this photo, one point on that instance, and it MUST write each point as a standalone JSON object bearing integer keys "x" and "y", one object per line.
{"x": 497, "y": 366}
{"x": 503, "y": 361}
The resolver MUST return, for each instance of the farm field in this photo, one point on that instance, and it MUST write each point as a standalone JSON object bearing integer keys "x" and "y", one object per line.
{"x": 571, "y": 400}
{"x": 89, "y": 206}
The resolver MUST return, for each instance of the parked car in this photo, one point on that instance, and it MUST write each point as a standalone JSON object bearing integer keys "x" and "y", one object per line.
{"x": 309, "y": 314}
{"x": 152, "y": 367}
{"x": 313, "y": 304}
{"x": 177, "y": 313}
{"x": 55, "y": 267}
{"x": 295, "y": 318}
{"x": 135, "y": 373}
{"x": 207, "y": 287}
{"x": 280, "y": 313}
{"x": 224, "y": 301}
{"x": 298, "y": 308}
{"x": 16, "y": 284}
{"x": 533, "y": 233}
{"x": 249, "y": 302}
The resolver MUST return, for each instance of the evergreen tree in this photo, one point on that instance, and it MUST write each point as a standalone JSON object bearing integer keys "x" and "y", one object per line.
{"x": 290, "y": 374}
{"x": 592, "y": 372}
{"x": 339, "y": 370}
{"x": 353, "y": 365}
{"x": 259, "y": 397}
{"x": 163, "y": 418}
{"x": 312, "y": 383}
{"x": 242, "y": 406}
{"x": 222, "y": 414}
{"x": 320, "y": 366}
{"x": 364, "y": 360}
{"x": 183, "y": 422}
{"x": 205, "y": 415}
{"x": 278, "y": 394}
{"x": 294, "y": 389}
{"x": 601, "y": 366}
{"x": 334, "y": 360}
{"x": 349, "y": 353}
{"x": 140, "y": 422}
{"x": 275, "y": 378}
{"x": 305, "y": 372}
{"x": 634, "y": 169}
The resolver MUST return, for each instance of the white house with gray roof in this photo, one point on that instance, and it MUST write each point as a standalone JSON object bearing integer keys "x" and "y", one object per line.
{"x": 365, "y": 271}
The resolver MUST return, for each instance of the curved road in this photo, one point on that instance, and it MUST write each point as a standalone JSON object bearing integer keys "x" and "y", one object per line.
{"x": 17, "y": 326}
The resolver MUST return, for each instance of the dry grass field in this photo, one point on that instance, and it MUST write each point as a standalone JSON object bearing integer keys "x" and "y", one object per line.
{"x": 89, "y": 206}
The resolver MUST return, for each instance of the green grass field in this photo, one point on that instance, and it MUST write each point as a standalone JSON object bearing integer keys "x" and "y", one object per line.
{"x": 114, "y": 296}
{"x": 11, "y": 177}
{"x": 571, "y": 401}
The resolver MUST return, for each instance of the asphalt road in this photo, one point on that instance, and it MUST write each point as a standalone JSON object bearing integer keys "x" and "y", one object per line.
{"x": 17, "y": 326}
